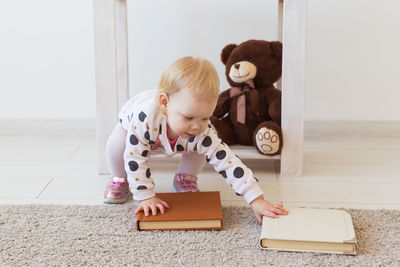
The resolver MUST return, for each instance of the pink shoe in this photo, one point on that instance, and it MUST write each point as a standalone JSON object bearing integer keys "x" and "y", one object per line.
{"x": 117, "y": 191}
{"x": 185, "y": 183}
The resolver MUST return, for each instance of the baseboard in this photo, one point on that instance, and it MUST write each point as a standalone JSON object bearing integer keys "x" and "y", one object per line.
{"x": 317, "y": 130}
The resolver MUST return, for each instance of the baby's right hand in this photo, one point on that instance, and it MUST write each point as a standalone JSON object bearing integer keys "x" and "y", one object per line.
{"x": 153, "y": 203}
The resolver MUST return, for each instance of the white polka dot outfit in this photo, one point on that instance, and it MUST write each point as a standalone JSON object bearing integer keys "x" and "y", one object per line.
{"x": 146, "y": 126}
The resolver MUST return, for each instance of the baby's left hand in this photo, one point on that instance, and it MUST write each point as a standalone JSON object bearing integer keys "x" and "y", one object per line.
{"x": 262, "y": 207}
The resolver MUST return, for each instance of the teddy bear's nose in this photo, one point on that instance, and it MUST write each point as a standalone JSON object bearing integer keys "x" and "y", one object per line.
{"x": 237, "y": 66}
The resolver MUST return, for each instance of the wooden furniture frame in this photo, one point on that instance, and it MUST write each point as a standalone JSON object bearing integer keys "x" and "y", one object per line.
{"x": 112, "y": 85}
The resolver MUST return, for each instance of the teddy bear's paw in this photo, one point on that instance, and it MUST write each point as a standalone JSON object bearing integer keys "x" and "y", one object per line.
{"x": 267, "y": 141}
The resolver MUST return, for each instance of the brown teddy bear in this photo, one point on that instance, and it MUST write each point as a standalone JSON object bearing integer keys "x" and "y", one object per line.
{"x": 249, "y": 113}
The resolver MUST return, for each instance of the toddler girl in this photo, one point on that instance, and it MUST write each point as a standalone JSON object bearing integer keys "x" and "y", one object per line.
{"x": 175, "y": 119}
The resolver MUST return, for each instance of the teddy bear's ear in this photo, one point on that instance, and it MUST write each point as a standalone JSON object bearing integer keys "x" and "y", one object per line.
{"x": 277, "y": 48}
{"x": 226, "y": 52}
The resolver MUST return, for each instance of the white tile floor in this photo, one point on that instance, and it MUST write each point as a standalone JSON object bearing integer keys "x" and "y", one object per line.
{"x": 351, "y": 165}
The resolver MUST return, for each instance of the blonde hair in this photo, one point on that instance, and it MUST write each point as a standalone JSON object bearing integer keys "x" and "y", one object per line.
{"x": 196, "y": 74}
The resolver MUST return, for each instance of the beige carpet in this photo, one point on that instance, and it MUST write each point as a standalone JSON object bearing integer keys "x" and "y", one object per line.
{"x": 105, "y": 235}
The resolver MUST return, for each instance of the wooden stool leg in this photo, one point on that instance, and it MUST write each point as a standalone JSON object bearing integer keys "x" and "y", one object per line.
{"x": 111, "y": 60}
{"x": 293, "y": 77}
{"x": 280, "y": 33}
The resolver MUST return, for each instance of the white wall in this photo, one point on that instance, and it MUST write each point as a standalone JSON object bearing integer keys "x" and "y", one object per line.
{"x": 353, "y": 60}
{"x": 47, "y": 57}
{"x": 179, "y": 28}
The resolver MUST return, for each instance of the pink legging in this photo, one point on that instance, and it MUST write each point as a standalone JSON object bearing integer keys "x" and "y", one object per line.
{"x": 191, "y": 163}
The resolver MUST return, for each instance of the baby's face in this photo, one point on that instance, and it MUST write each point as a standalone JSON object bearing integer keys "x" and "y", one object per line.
{"x": 188, "y": 116}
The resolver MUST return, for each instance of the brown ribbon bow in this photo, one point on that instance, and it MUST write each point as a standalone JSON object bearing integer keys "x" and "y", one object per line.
{"x": 240, "y": 92}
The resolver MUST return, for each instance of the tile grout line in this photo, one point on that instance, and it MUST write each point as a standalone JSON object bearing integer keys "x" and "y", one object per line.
{"x": 73, "y": 153}
{"x": 37, "y": 197}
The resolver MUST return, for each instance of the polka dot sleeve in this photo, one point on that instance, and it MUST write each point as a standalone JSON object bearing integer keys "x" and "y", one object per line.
{"x": 137, "y": 157}
{"x": 237, "y": 175}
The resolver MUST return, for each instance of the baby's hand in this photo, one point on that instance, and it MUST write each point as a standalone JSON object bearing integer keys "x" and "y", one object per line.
{"x": 152, "y": 203}
{"x": 262, "y": 207}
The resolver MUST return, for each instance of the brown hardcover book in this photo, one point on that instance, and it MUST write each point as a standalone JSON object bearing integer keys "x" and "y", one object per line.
{"x": 188, "y": 211}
